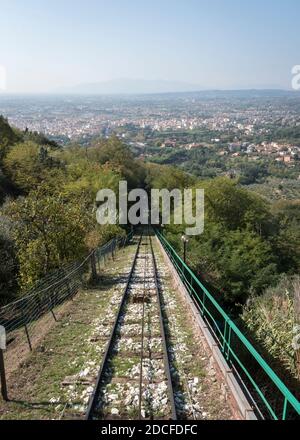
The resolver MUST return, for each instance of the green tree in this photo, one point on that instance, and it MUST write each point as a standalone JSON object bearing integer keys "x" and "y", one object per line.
{"x": 118, "y": 156}
{"x": 287, "y": 239}
{"x": 49, "y": 231}
{"x": 8, "y": 263}
{"x": 28, "y": 164}
{"x": 8, "y": 137}
{"x": 236, "y": 251}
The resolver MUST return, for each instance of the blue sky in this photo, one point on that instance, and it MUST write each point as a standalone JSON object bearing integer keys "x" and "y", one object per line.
{"x": 45, "y": 45}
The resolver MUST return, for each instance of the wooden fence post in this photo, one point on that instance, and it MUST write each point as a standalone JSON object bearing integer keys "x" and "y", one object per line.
{"x": 3, "y": 377}
{"x": 2, "y": 365}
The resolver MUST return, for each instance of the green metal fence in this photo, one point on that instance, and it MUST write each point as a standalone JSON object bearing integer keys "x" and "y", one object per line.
{"x": 269, "y": 396}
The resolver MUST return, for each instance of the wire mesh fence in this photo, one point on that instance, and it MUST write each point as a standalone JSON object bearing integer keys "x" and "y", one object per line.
{"x": 43, "y": 302}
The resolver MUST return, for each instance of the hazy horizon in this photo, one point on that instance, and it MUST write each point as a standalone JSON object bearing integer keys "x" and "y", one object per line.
{"x": 76, "y": 92}
{"x": 211, "y": 45}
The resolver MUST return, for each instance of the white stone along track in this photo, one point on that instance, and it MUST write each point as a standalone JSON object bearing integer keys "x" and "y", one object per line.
{"x": 155, "y": 365}
{"x": 135, "y": 380}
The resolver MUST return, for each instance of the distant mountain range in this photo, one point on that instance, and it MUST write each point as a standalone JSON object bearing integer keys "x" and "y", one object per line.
{"x": 132, "y": 86}
{"x": 158, "y": 87}
{"x": 124, "y": 86}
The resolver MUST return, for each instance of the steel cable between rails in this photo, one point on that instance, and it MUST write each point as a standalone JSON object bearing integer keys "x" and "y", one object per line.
{"x": 142, "y": 336}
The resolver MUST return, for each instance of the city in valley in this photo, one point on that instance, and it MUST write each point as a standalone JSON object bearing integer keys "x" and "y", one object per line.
{"x": 251, "y": 135}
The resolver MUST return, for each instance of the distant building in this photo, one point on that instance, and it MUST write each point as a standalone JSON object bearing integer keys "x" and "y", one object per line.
{"x": 193, "y": 145}
{"x": 169, "y": 144}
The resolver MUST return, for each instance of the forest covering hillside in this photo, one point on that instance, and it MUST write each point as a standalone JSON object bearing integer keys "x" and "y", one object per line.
{"x": 249, "y": 247}
{"x": 48, "y": 203}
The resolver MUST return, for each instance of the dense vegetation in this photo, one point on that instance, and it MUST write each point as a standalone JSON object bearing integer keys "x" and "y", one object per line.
{"x": 48, "y": 203}
{"x": 247, "y": 242}
{"x": 272, "y": 319}
{"x": 249, "y": 245}
{"x": 206, "y": 162}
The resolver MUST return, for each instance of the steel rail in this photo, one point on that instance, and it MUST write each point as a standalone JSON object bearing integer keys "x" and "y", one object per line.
{"x": 93, "y": 399}
{"x": 142, "y": 335}
{"x": 163, "y": 335}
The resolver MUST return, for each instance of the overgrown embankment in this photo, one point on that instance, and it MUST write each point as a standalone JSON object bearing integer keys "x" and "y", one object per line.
{"x": 273, "y": 320}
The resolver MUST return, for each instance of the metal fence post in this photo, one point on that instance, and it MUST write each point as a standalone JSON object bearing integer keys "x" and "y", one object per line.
{"x": 284, "y": 412}
{"x": 224, "y": 337}
{"x": 51, "y": 308}
{"x": 26, "y": 331}
{"x": 112, "y": 250}
{"x": 98, "y": 261}
{"x": 93, "y": 266}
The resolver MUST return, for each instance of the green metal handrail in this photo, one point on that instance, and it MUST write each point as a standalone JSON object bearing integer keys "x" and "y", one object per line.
{"x": 225, "y": 337}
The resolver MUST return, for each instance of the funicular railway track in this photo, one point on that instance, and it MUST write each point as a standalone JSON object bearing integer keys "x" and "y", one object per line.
{"x": 134, "y": 380}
